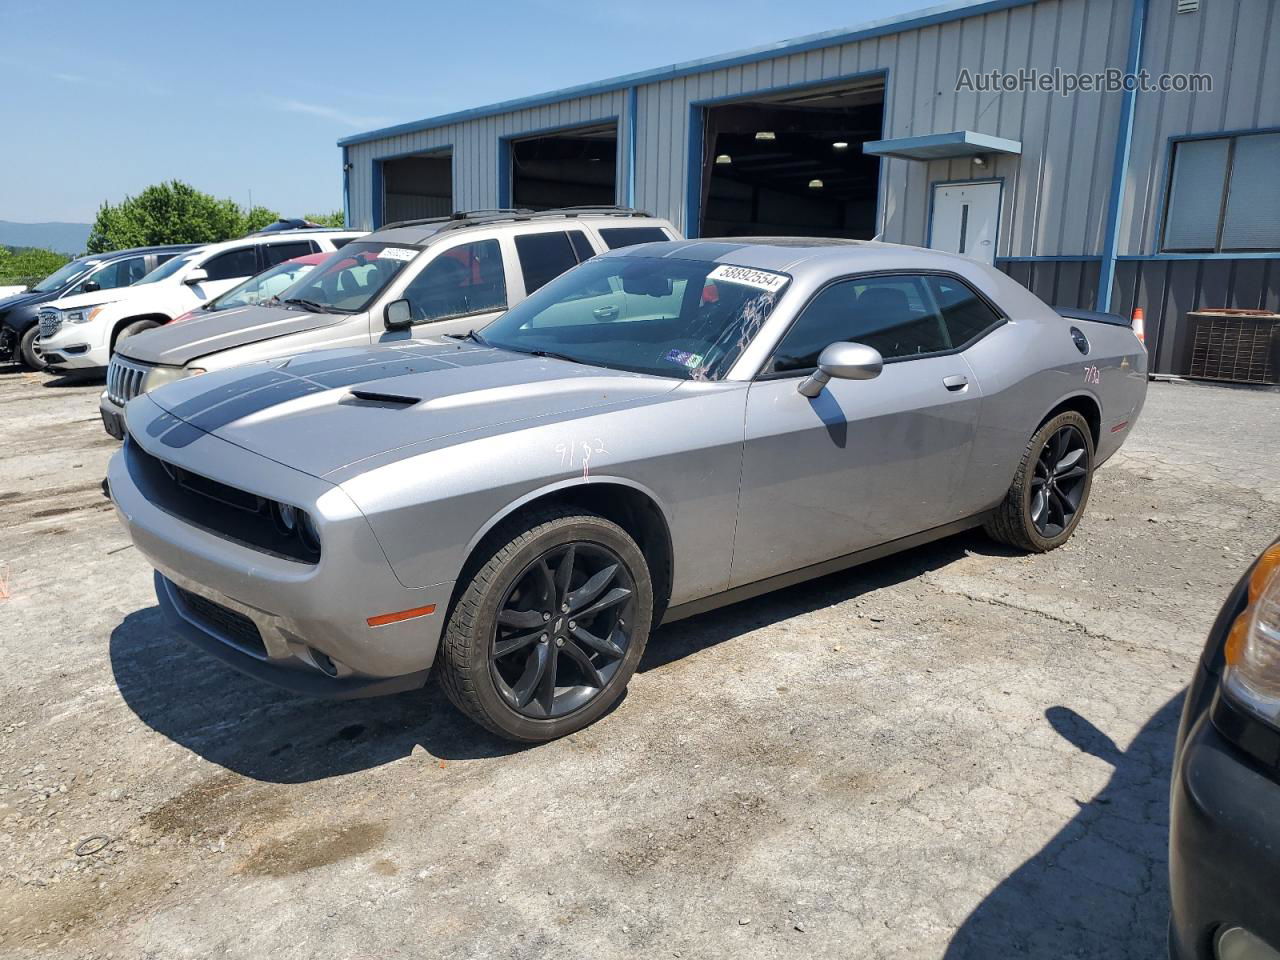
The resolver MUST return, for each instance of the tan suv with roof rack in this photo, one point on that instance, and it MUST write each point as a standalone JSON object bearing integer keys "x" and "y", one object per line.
{"x": 412, "y": 280}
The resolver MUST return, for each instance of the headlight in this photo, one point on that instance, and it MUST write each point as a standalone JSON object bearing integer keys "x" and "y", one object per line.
{"x": 82, "y": 314}
{"x": 159, "y": 376}
{"x": 1252, "y": 676}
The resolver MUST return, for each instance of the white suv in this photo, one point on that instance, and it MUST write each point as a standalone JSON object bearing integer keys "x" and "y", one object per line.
{"x": 412, "y": 280}
{"x": 81, "y": 332}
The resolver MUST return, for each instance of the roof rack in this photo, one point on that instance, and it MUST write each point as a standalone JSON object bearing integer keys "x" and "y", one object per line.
{"x": 471, "y": 218}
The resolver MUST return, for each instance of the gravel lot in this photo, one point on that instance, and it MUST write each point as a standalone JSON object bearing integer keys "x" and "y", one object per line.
{"x": 956, "y": 752}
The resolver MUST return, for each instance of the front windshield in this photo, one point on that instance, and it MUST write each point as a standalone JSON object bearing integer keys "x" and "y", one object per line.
{"x": 270, "y": 283}
{"x": 351, "y": 278}
{"x": 689, "y": 319}
{"x": 166, "y": 270}
{"x": 64, "y": 275}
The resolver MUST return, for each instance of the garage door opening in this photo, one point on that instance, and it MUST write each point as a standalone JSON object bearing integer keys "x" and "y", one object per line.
{"x": 570, "y": 168}
{"x": 417, "y": 187}
{"x": 792, "y": 166}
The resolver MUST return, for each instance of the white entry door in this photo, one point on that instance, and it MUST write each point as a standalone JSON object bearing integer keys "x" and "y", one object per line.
{"x": 966, "y": 218}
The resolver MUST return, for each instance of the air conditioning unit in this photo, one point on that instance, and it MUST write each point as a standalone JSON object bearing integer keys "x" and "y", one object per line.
{"x": 1238, "y": 346}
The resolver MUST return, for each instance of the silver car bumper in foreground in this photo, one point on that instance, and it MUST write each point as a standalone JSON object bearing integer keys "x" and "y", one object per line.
{"x": 300, "y": 625}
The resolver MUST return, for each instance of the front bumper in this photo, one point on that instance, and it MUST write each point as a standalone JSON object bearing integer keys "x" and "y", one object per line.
{"x": 310, "y": 620}
{"x": 112, "y": 416}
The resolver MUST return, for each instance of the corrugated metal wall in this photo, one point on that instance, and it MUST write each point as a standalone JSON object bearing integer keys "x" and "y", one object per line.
{"x": 1055, "y": 194}
{"x": 475, "y": 150}
{"x": 1238, "y": 43}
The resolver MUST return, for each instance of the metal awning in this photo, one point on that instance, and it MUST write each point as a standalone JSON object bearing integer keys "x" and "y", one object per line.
{"x": 941, "y": 146}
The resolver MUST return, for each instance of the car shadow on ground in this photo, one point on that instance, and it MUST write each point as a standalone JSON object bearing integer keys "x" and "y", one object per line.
{"x": 686, "y": 637}
{"x": 261, "y": 732}
{"x": 1099, "y": 888}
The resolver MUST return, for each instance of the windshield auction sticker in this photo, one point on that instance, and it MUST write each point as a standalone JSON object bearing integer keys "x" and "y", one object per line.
{"x": 397, "y": 253}
{"x": 749, "y": 277}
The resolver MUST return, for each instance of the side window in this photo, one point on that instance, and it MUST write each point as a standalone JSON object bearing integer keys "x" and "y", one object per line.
{"x": 462, "y": 280}
{"x": 965, "y": 315}
{"x": 615, "y": 237}
{"x": 280, "y": 252}
{"x": 894, "y": 314}
{"x": 543, "y": 257}
{"x": 340, "y": 242}
{"x": 233, "y": 265}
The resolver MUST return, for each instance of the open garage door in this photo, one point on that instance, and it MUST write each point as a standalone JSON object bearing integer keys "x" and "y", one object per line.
{"x": 417, "y": 186}
{"x": 793, "y": 165}
{"x": 568, "y": 168}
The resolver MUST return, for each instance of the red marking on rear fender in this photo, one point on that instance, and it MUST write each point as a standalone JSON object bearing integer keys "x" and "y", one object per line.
{"x": 1120, "y": 426}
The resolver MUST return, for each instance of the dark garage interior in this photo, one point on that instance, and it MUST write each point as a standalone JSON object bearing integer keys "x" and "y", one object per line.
{"x": 417, "y": 186}
{"x": 792, "y": 166}
{"x": 569, "y": 168}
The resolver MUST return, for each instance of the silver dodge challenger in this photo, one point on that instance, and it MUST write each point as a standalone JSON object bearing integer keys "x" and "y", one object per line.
{"x": 663, "y": 429}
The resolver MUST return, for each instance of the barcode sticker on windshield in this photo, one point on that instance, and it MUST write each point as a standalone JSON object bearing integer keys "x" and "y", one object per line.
{"x": 749, "y": 277}
{"x": 397, "y": 253}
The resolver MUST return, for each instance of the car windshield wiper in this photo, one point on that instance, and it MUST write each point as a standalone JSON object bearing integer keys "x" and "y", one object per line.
{"x": 469, "y": 335}
{"x": 551, "y": 354}
{"x": 311, "y": 305}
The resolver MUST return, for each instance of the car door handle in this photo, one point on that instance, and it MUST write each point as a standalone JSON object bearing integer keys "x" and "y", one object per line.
{"x": 605, "y": 313}
{"x": 955, "y": 383}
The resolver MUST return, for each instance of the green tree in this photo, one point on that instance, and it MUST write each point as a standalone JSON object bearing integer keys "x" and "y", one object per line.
{"x": 173, "y": 212}
{"x": 29, "y": 265}
{"x": 337, "y": 219}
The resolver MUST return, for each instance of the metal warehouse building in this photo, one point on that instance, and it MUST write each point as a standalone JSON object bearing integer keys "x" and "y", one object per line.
{"x": 1108, "y": 199}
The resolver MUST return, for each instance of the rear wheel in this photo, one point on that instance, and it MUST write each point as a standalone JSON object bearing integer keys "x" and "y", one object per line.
{"x": 549, "y": 630}
{"x": 1050, "y": 491}
{"x": 29, "y": 349}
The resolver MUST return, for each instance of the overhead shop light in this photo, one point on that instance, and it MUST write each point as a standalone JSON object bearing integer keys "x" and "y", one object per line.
{"x": 815, "y": 184}
{"x": 723, "y": 159}
{"x": 766, "y": 135}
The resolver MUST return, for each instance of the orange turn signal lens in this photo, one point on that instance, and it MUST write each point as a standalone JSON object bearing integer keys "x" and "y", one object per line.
{"x": 384, "y": 618}
{"x": 1267, "y": 564}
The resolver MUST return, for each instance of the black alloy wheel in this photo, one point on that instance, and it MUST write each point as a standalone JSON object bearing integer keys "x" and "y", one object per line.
{"x": 1059, "y": 480}
{"x": 562, "y": 630}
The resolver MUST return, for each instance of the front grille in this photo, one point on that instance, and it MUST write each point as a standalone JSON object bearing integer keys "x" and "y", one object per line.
{"x": 225, "y": 511}
{"x": 124, "y": 380}
{"x": 50, "y": 322}
{"x": 225, "y": 622}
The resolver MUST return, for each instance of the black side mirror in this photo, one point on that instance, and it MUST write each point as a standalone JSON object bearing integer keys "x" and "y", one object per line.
{"x": 90, "y": 286}
{"x": 398, "y": 315}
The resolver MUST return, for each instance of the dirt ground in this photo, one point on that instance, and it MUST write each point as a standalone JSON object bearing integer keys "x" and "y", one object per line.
{"x": 956, "y": 752}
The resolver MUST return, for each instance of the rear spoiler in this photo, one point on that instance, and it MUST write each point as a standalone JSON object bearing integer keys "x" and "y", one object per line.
{"x": 1097, "y": 316}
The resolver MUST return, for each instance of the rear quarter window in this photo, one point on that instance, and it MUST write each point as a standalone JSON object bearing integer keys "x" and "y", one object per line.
{"x": 615, "y": 237}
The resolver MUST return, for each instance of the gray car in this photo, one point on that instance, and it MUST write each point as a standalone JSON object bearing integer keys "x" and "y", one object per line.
{"x": 661, "y": 430}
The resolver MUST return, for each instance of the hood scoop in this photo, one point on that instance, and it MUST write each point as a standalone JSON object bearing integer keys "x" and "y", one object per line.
{"x": 380, "y": 399}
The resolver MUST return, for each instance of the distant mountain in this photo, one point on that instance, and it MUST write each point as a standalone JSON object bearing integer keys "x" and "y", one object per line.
{"x": 62, "y": 237}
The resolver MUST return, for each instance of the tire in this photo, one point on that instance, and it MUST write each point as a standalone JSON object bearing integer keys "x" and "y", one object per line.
{"x": 1016, "y": 521}
{"x": 132, "y": 330}
{"x": 28, "y": 352}
{"x": 517, "y": 596}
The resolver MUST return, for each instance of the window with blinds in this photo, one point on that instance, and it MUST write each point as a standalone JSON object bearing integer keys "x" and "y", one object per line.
{"x": 1220, "y": 198}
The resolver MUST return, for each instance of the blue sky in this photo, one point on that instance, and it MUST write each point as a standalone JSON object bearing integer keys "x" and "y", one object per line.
{"x": 102, "y": 99}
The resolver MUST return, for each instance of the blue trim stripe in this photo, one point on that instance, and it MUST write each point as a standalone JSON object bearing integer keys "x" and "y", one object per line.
{"x": 633, "y": 108}
{"x": 931, "y": 16}
{"x": 1124, "y": 143}
{"x": 346, "y": 189}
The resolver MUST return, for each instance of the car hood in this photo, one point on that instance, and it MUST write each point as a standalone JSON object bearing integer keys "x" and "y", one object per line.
{"x": 211, "y": 331}
{"x": 20, "y": 299}
{"x": 97, "y": 297}
{"x": 320, "y": 412}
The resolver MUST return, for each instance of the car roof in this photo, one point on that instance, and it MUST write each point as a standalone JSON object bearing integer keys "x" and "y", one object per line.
{"x": 135, "y": 251}
{"x": 259, "y": 239}
{"x": 424, "y": 231}
{"x": 789, "y": 254}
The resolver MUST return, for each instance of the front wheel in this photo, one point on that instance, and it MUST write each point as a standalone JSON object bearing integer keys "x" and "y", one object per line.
{"x": 29, "y": 349}
{"x": 548, "y": 631}
{"x": 133, "y": 329}
{"x": 1049, "y": 492}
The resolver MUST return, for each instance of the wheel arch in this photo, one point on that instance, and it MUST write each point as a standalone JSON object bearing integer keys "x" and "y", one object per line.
{"x": 123, "y": 322}
{"x": 630, "y": 505}
{"x": 1085, "y": 404}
